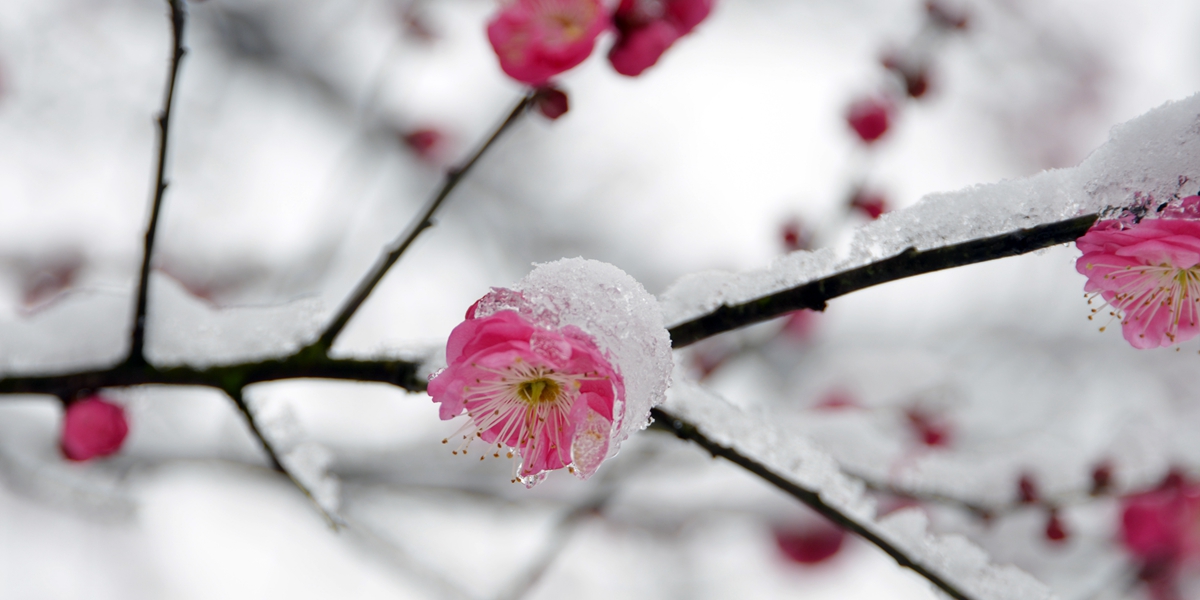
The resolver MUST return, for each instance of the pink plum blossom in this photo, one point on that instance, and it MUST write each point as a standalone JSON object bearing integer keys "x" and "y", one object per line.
{"x": 560, "y": 369}
{"x": 548, "y": 393}
{"x": 1148, "y": 271}
{"x": 646, "y": 28}
{"x": 93, "y": 427}
{"x": 538, "y": 39}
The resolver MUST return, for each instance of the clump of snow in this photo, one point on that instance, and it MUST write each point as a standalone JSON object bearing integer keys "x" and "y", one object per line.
{"x": 183, "y": 329}
{"x": 795, "y": 458}
{"x": 1154, "y": 155}
{"x": 621, "y": 316}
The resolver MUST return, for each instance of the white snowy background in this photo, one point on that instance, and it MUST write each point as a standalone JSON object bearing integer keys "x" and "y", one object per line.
{"x": 287, "y": 176}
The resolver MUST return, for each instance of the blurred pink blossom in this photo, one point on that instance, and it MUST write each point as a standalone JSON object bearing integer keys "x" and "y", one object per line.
{"x": 549, "y": 394}
{"x": 93, "y": 427}
{"x": 538, "y": 39}
{"x": 646, "y": 28}
{"x": 1148, "y": 270}
{"x": 1161, "y": 529}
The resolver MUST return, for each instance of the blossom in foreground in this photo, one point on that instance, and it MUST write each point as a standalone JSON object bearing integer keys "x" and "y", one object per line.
{"x": 646, "y": 28}
{"x": 93, "y": 427}
{"x": 558, "y": 370}
{"x": 538, "y": 39}
{"x": 1148, "y": 271}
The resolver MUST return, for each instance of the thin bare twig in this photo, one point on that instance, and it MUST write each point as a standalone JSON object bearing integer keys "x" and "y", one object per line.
{"x": 687, "y": 431}
{"x": 137, "y": 341}
{"x": 424, "y": 221}
{"x": 235, "y": 394}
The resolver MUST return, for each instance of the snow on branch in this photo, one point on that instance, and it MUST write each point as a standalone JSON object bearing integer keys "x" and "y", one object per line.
{"x": 1153, "y": 157}
{"x": 792, "y": 463}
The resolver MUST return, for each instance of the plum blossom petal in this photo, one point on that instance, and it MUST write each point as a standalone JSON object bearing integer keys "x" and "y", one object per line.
{"x": 1148, "y": 271}
{"x": 536, "y": 40}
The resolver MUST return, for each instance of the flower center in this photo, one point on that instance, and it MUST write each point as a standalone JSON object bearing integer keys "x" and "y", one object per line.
{"x": 539, "y": 391}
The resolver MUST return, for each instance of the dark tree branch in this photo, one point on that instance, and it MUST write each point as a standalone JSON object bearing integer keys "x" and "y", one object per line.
{"x": 814, "y": 294}
{"x": 399, "y": 373}
{"x": 686, "y": 431}
{"x": 453, "y": 177}
{"x": 138, "y": 337}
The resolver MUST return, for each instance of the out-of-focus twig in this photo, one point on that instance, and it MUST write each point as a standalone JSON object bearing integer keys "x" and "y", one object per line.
{"x": 424, "y": 221}
{"x": 138, "y": 336}
{"x": 235, "y": 394}
{"x": 814, "y": 294}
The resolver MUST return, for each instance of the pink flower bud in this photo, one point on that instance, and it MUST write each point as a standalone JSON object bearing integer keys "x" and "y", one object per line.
{"x": 1055, "y": 532}
{"x": 869, "y": 118}
{"x": 427, "y": 142}
{"x": 93, "y": 427}
{"x": 551, "y": 102}
{"x": 1027, "y": 490}
{"x": 813, "y": 543}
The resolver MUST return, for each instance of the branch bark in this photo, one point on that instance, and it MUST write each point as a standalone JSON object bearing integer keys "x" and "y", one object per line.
{"x": 813, "y": 295}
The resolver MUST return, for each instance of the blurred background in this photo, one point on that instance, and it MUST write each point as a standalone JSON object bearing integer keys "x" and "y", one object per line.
{"x": 308, "y": 133}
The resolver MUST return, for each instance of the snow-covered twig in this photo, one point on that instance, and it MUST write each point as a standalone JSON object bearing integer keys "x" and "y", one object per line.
{"x": 814, "y": 294}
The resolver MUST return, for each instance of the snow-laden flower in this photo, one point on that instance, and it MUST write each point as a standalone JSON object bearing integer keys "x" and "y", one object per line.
{"x": 558, "y": 370}
{"x": 646, "y": 28}
{"x": 538, "y": 39}
{"x": 93, "y": 427}
{"x": 1148, "y": 271}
